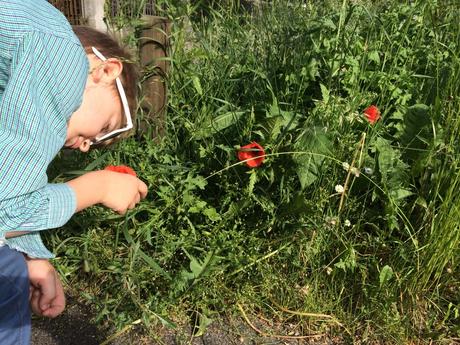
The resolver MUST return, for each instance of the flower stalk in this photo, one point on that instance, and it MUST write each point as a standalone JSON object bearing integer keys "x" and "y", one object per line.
{"x": 352, "y": 165}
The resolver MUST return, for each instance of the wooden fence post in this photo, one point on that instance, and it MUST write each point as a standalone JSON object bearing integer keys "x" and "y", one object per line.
{"x": 94, "y": 14}
{"x": 154, "y": 50}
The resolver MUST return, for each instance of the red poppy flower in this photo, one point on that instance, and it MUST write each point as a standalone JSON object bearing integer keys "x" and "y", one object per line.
{"x": 254, "y": 152}
{"x": 372, "y": 114}
{"x": 121, "y": 169}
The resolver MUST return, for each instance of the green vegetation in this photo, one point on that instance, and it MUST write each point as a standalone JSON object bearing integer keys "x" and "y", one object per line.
{"x": 377, "y": 262}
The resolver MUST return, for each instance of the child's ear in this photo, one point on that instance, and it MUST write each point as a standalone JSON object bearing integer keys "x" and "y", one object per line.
{"x": 112, "y": 69}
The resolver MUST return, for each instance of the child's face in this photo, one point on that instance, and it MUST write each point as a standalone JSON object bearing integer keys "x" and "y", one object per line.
{"x": 101, "y": 110}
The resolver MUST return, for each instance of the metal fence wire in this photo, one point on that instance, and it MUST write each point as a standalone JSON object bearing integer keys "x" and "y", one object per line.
{"x": 72, "y": 9}
{"x": 132, "y": 8}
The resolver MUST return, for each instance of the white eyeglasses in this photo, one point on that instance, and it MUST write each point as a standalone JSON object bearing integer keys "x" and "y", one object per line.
{"x": 124, "y": 101}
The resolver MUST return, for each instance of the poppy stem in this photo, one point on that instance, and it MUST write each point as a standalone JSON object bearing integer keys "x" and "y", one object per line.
{"x": 350, "y": 169}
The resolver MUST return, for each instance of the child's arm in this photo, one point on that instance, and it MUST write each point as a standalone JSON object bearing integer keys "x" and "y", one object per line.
{"x": 46, "y": 74}
{"x": 119, "y": 192}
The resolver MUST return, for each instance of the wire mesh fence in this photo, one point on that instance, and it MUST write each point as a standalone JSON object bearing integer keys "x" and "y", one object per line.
{"x": 72, "y": 9}
{"x": 132, "y": 8}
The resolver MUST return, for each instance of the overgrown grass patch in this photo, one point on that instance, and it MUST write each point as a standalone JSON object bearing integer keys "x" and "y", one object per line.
{"x": 377, "y": 260}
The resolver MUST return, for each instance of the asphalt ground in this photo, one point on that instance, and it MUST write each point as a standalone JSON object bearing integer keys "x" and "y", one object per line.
{"x": 75, "y": 326}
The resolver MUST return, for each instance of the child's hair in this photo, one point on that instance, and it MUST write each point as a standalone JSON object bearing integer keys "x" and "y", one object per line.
{"x": 90, "y": 37}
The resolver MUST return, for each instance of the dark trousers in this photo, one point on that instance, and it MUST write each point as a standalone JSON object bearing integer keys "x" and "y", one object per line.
{"x": 14, "y": 298}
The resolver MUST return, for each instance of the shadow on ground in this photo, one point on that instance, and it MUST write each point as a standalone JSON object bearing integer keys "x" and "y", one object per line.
{"x": 75, "y": 327}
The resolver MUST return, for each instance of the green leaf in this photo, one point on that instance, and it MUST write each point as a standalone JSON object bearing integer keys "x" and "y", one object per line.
{"x": 374, "y": 56}
{"x": 386, "y": 157}
{"x": 204, "y": 322}
{"x": 165, "y": 321}
{"x": 197, "y": 85}
{"x": 400, "y": 193}
{"x": 94, "y": 164}
{"x": 348, "y": 262}
{"x": 287, "y": 116}
{"x": 316, "y": 145}
{"x": 218, "y": 124}
{"x": 153, "y": 264}
{"x": 197, "y": 207}
{"x": 313, "y": 68}
{"x": 252, "y": 182}
{"x": 271, "y": 127}
{"x": 195, "y": 181}
{"x": 390, "y": 165}
{"x": 278, "y": 120}
{"x": 324, "y": 93}
{"x": 212, "y": 214}
{"x": 226, "y": 120}
{"x": 416, "y": 132}
{"x": 297, "y": 206}
{"x": 197, "y": 267}
{"x": 385, "y": 275}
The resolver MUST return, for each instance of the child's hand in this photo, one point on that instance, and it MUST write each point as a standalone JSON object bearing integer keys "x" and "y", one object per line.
{"x": 46, "y": 292}
{"x": 123, "y": 191}
{"x": 119, "y": 192}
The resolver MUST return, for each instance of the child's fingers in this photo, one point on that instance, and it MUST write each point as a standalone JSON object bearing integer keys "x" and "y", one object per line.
{"x": 48, "y": 291}
{"x": 143, "y": 189}
{"x": 58, "y": 303}
{"x": 121, "y": 211}
{"x": 34, "y": 301}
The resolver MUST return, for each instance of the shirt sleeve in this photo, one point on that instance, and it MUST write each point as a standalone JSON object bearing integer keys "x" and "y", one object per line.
{"x": 45, "y": 86}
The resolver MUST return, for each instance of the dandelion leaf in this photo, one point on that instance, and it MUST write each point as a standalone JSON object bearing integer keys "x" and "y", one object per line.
{"x": 400, "y": 193}
{"x": 392, "y": 168}
{"x": 271, "y": 127}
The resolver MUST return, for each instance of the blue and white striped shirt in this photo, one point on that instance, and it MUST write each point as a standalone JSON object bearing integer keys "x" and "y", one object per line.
{"x": 43, "y": 72}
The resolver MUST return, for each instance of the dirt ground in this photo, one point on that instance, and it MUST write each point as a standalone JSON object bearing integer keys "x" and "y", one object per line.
{"x": 74, "y": 327}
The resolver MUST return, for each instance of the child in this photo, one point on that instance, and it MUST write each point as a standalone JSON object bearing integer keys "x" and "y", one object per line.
{"x": 57, "y": 88}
